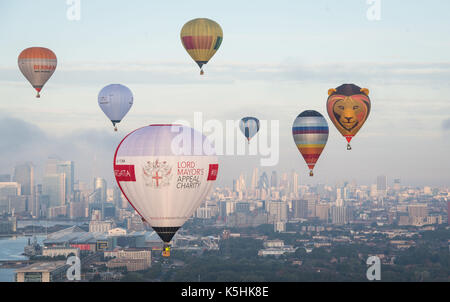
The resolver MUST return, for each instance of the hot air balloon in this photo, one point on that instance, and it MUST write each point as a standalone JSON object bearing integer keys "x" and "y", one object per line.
{"x": 115, "y": 100}
{"x": 37, "y": 64}
{"x": 348, "y": 107}
{"x": 201, "y": 38}
{"x": 165, "y": 172}
{"x": 249, "y": 127}
{"x": 310, "y": 133}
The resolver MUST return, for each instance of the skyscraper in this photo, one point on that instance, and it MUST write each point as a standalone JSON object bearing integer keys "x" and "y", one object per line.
{"x": 24, "y": 175}
{"x": 274, "y": 180}
{"x": 54, "y": 186}
{"x": 300, "y": 208}
{"x": 340, "y": 215}
{"x": 100, "y": 188}
{"x": 295, "y": 183}
{"x": 397, "y": 184}
{"x": 263, "y": 181}
{"x": 254, "y": 179}
{"x": 57, "y": 167}
{"x": 382, "y": 185}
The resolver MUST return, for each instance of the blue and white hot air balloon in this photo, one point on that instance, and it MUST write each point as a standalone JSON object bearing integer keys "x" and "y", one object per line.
{"x": 249, "y": 127}
{"x": 115, "y": 100}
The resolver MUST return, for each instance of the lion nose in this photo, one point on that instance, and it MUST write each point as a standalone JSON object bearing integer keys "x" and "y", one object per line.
{"x": 349, "y": 119}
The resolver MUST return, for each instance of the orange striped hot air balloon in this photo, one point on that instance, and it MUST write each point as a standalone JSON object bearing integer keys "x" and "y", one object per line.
{"x": 201, "y": 38}
{"x": 37, "y": 65}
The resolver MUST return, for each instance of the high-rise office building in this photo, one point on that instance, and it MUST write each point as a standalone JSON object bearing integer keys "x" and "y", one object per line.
{"x": 300, "y": 208}
{"x": 340, "y": 215}
{"x": 24, "y": 175}
{"x": 54, "y": 186}
{"x": 274, "y": 180}
{"x": 397, "y": 184}
{"x": 322, "y": 211}
{"x": 254, "y": 179}
{"x": 418, "y": 210}
{"x": 263, "y": 181}
{"x": 382, "y": 185}
{"x": 295, "y": 183}
{"x": 55, "y": 167}
{"x": 284, "y": 182}
{"x": 8, "y": 192}
{"x": 278, "y": 211}
{"x": 100, "y": 188}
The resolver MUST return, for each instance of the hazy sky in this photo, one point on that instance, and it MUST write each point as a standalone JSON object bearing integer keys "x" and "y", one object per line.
{"x": 278, "y": 58}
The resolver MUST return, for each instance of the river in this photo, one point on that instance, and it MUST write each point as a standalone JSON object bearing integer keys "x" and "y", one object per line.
{"x": 11, "y": 248}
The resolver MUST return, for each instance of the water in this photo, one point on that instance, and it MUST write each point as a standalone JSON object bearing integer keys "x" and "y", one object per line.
{"x": 11, "y": 248}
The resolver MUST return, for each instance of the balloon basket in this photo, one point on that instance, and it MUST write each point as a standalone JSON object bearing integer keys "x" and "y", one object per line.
{"x": 166, "y": 251}
{"x": 349, "y": 147}
{"x": 202, "y": 72}
{"x": 311, "y": 173}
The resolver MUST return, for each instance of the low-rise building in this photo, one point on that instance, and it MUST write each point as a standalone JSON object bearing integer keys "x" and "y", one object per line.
{"x": 133, "y": 260}
{"x": 60, "y": 251}
{"x": 42, "y": 272}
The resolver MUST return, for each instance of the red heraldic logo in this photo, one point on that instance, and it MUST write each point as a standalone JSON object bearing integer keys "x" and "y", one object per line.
{"x": 213, "y": 170}
{"x": 124, "y": 173}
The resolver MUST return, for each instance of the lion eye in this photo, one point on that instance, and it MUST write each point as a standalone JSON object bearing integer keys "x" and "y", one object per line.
{"x": 341, "y": 107}
{"x": 355, "y": 107}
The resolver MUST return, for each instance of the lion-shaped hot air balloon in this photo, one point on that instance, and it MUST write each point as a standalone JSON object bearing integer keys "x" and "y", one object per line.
{"x": 348, "y": 107}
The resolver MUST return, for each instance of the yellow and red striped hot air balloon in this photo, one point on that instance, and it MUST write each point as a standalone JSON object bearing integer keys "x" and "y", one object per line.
{"x": 37, "y": 65}
{"x": 201, "y": 38}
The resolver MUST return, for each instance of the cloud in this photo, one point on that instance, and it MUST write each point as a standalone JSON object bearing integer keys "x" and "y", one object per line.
{"x": 175, "y": 73}
{"x": 91, "y": 150}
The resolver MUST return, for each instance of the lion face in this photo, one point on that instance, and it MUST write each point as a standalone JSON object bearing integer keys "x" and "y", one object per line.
{"x": 346, "y": 111}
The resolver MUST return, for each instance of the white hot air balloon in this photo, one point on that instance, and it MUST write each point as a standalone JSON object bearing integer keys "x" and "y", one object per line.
{"x": 37, "y": 64}
{"x": 165, "y": 172}
{"x": 115, "y": 100}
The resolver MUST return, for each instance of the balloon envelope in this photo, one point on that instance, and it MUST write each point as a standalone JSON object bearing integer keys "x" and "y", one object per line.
{"x": 249, "y": 127}
{"x": 310, "y": 132}
{"x": 348, "y": 107}
{"x": 115, "y": 100}
{"x": 165, "y": 174}
{"x": 201, "y": 38}
{"x": 37, "y": 64}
